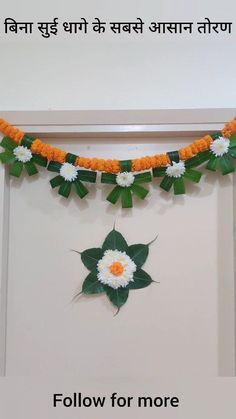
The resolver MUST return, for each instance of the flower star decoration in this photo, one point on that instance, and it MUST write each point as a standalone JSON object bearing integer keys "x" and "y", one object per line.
{"x": 220, "y": 154}
{"x": 126, "y": 184}
{"x": 70, "y": 175}
{"x": 115, "y": 269}
{"x": 19, "y": 157}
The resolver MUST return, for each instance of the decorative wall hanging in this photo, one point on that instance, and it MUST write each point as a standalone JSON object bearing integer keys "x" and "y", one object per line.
{"x": 175, "y": 167}
{"x": 115, "y": 269}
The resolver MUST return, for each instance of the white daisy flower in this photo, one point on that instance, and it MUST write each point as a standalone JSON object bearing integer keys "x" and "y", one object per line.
{"x": 22, "y": 154}
{"x": 176, "y": 169}
{"x": 69, "y": 172}
{"x": 125, "y": 179}
{"x": 116, "y": 269}
{"x": 220, "y": 146}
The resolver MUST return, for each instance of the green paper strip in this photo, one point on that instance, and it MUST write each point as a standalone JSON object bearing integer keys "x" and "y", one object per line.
{"x": 7, "y": 157}
{"x": 212, "y": 164}
{"x": 31, "y": 168}
{"x": 143, "y": 178}
{"x": 54, "y": 166}
{"x": 126, "y": 198}
{"x": 40, "y": 160}
{"x": 198, "y": 159}
{"x": 114, "y": 195}
{"x": 65, "y": 189}
{"x": 27, "y": 141}
{"x": 56, "y": 181}
{"x": 8, "y": 143}
{"x": 140, "y": 191}
{"x": 80, "y": 189}
{"x": 16, "y": 169}
{"x": 179, "y": 188}
{"x": 174, "y": 156}
{"x": 233, "y": 141}
{"x": 108, "y": 178}
{"x": 232, "y": 152}
{"x": 87, "y": 176}
{"x": 159, "y": 171}
{"x": 193, "y": 175}
{"x": 166, "y": 183}
{"x": 126, "y": 165}
{"x": 225, "y": 164}
{"x": 71, "y": 158}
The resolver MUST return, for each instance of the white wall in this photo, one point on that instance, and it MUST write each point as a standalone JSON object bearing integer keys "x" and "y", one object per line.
{"x": 112, "y": 72}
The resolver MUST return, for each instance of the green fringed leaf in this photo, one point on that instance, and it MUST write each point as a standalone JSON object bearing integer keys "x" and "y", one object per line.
{"x": 198, "y": 159}
{"x": 125, "y": 165}
{"x": 159, "y": 171}
{"x": 179, "y": 187}
{"x": 91, "y": 285}
{"x": 41, "y": 161}
{"x": 232, "y": 152}
{"x": 138, "y": 253}
{"x": 65, "y": 189}
{"x": 90, "y": 258}
{"x": 8, "y": 143}
{"x": 115, "y": 241}
{"x": 193, "y": 175}
{"x": 81, "y": 190}
{"x": 54, "y": 166}
{"x": 31, "y": 168}
{"x": 143, "y": 178}
{"x": 7, "y": 157}
{"x": 114, "y": 194}
{"x": 166, "y": 183}
{"x": 140, "y": 191}
{"x": 87, "y": 176}
{"x": 16, "y": 169}
{"x": 233, "y": 141}
{"x": 213, "y": 163}
{"x": 141, "y": 280}
{"x": 118, "y": 297}
{"x": 108, "y": 178}
{"x": 226, "y": 166}
{"x": 56, "y": 181}
{"x": 126, "y": 198}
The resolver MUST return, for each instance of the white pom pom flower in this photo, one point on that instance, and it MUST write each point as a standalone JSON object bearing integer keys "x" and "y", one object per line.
{"x": 220, "y": 146}
{"x": 176, "y": 169}
{"x": 22, "y": 154}
{"x": 116, "y": 269}
{"x": 68, "y": 172}
{"x": 125, "y": 179}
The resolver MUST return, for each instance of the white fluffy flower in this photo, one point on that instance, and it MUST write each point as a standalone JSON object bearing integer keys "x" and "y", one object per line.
{"x": 125, "y": 179}
{"x": 68, "y": 172}
{"x": 115, "y": 269}
{"x": 22, "y": 154}
{"x": 220, "y": 146}
{"x": 176, "y": 169}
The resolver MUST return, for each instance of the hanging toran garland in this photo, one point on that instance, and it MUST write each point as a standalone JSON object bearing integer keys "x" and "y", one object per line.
{"x": 127, "y": 176}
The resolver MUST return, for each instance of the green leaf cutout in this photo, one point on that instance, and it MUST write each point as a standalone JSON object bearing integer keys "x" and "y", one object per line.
{"x": 54, "y": 166}
{"x": 118, "y": 297}
{"x": 140, "y": 191}
{"x": 56, "y": 181}
{"x": 81, "y": 190}
{"x": 225, "y": 165}
{"x": 143, "y": 178}
{"x": 108, "y": 178}
{"x": 115, "y": 241}
{"x": 8, "y": 143}
{"x": 213, "y": 163}
{"x": 141, "y": 280}
{"x": 90, "y": 258}
{"x": 138, "y": 253}
{"x": 31, "y": 168}
{"x": 114, "y": 195}
{"x": 193, "y": 175}
{"x": 16, "y": 169}
{"x": 179, "y": 188}
{"x": 39, "y": 160}
{"x": 126, "y": 198}
{"x": 87, "y": 176}
{"x": 65, "y": 189}
{"x": 7, "y": 157}
{"x": 91, "y": 285}
{"x": 232, "y": 152}
{"x": 166, "y": 183}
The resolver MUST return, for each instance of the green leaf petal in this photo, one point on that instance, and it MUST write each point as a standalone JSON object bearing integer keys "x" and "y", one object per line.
{"x": 166, "y": 183}
{"x": 159, "y": 171}
{"x": 233, "y": 141}
{"x": 143, "y": 178}
{"x": 91, "y": 285}
{"x": 56, "y": 181}
{"x": 7, "y": 157}
{"x": 198, "y": 159}
{"x": 138, "y": 253}
{"x": 193, "y": 175}
{"x": 117, "y": 297}
{"x": 126, "y": 198}
{"x": 54, "y": 166}
{"x": 108, "y": 178}
{"x": 140, "y": 191}
{"x": 213, "y": 163}
{"x": 65, "y": 189}
{"x": 81, "y": 190}
{"x": 40, "y": 160}
{"x": 226, "y": 166}
{"x": 114, "y": 194}
{"x": 87, "y": 176}
{"x": 16, "y": 169}
{"x": 8, "y": 143}
{"x": 141, "y": 280}
{"x": 232, "y": 152}
{"x": 115, "y": 241}
{"x": 31, "y": 168}
{"x": 90, "y": 258}
{"x": 179, "y": 188}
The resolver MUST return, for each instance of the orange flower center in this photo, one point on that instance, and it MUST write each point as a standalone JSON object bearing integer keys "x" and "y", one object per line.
{"x": 116, "y": 268}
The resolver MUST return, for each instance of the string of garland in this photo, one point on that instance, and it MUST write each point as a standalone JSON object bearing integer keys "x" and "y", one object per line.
{"x": 24, "y": 152}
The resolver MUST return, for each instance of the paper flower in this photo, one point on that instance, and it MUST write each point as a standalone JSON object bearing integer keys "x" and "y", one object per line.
{"x": 70, "y": 175}
{"x": 221, "y": 153}
{"x": 126, "y": 184}
{"x": 20, "y": 157}
{"x": 115, "y": 269}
